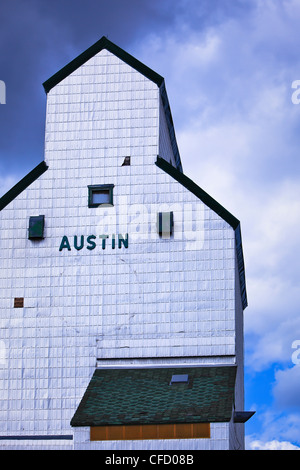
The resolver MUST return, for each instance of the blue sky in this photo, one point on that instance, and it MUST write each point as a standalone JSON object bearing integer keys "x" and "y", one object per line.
{"x": 229, "y": 66}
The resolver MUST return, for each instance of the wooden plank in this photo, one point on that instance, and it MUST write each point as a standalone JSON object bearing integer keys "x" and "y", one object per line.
{"x": 114, "y": 433}
{"x": 183, "y": 431}
{"x": 98, "y": 433}
{"x": 201, "y": 430}
{"x": 165, "y": 431}
{"x": 132, "y": 432}
{"x": 151, "y": 431}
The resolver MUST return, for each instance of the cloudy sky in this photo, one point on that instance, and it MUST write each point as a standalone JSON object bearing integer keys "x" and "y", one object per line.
{"x": 230, "y": 67}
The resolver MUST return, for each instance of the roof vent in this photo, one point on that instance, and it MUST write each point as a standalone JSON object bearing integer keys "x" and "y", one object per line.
{"x": 179, "y": 379}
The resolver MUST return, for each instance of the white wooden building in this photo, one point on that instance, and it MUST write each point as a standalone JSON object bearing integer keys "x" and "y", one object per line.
{"x": 122, "y": 281}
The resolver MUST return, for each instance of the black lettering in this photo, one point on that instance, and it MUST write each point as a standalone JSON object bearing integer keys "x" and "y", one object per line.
{"x": 123, "y": 240}
{"x": 64, "y": 243}
{"x": 91, "y": 245}
{"x": 81, "y": 242}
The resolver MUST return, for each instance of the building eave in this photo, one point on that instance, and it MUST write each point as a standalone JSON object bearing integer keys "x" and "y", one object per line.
{"x": 23, "y": 184}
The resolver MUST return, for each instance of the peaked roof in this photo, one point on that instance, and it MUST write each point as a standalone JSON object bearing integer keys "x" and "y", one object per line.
{"x": 104, "y": 43}
{"x": 145, "y": 396}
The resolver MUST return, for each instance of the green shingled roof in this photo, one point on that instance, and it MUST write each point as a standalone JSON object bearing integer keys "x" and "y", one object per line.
{"x": 145, "y": 396}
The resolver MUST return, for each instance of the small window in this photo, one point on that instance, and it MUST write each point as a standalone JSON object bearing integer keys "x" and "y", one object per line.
{"x": 179, "y": 379}
{"x": 36, "y": 227}
{"x": 126, "y": 161}
{"x": 101, "y": 195}
{"x": 165, "y": 224}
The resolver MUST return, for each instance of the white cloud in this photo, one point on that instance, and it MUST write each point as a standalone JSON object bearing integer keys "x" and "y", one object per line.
{"x": 286, "y": 388}
{"x": 271, "y": 445}
{"x": 276, "y": 423}
{"x": 272, "y": 262}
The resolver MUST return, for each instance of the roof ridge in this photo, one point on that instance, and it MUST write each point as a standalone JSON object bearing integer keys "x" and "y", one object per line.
{"x": 101, "y": 44}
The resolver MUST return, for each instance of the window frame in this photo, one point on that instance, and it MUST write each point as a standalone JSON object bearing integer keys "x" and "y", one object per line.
{"x": 100, "y": 187}
{"x": 165, "y": 220}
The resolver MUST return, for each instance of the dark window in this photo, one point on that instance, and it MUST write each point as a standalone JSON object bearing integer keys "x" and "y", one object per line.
{"x": 126, "y": 161}
{"x": 101, "y": 195}
{"x": 36, "y": 227}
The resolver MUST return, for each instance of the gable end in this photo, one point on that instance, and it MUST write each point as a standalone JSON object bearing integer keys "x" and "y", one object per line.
{"x": 103, "y": 43}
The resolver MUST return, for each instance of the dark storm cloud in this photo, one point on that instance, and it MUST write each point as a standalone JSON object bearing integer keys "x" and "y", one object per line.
{"x": 37, "y": 38}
